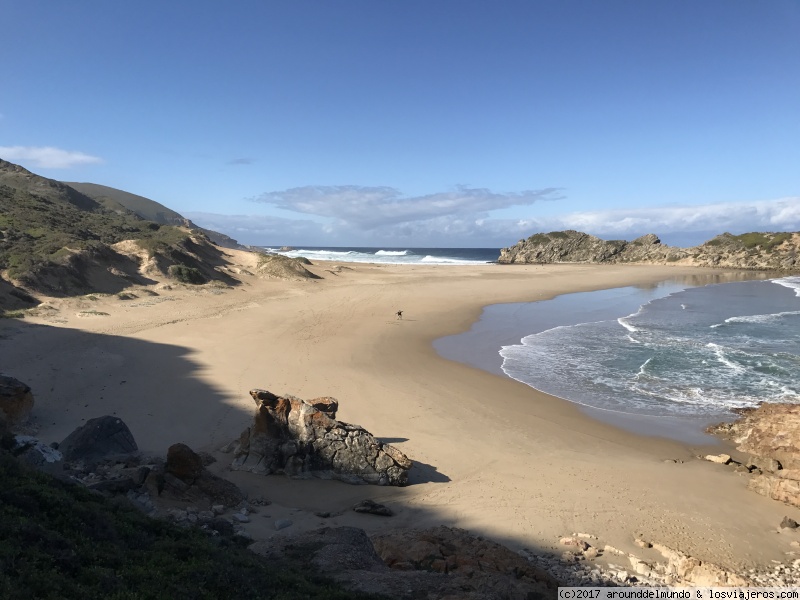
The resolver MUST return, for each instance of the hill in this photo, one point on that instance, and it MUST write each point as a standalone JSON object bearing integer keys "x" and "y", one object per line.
{"x": 762, "y": 251}
{"x": 58, "y": 241}
{"x": 148, "y": 209}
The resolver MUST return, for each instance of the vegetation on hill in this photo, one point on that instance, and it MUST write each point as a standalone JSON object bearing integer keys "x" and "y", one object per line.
{"x": 59, "y": 241}
{"x": 37, "y": 229}
{"x": 59, "y": 540}
{"x": 146, "y": 208}
{"x": 118, "y": 199}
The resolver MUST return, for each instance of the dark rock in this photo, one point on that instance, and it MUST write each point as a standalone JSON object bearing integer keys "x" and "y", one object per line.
{"x": 154, "y": 483}
{"x": 16, "y": 400}
{"x": 294, "y": 437}
{"x": 788, "y": 523}
{"x": 373, "y": 508}
{"x": 184, "y": 463}
{"x": 100, "y": 437}
{"x": 218, "y": 490}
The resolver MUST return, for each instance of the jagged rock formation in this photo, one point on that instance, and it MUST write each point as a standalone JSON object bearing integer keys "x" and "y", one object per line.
{"x": 16, "y": 401}
{"x": 769, "y": 251}
{"x": 303, "y": 438}
{"x": 770, "y": 434}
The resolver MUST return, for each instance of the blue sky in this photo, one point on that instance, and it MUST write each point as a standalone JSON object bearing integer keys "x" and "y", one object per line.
{"x": 416, "y": 123}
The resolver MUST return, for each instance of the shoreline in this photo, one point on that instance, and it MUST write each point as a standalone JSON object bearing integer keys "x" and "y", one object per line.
{"x": 491, "y": 454}
{"x": 505, "y": 324}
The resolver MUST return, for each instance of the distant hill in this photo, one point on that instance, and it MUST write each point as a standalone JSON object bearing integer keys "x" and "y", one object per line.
{"x": 57, "y": 241}
{"x": 151, "y": 210}
{"x": 762, "y": 251}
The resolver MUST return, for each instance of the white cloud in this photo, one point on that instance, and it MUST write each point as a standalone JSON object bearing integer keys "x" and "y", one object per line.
{"x": 465, "y": 220}
{"x": 47, "y": 157}
{"x": 374, "y": 207}
{"x": 764, "y": 215}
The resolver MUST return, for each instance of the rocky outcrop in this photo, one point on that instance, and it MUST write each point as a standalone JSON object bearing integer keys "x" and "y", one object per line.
{"x": 303, "y": 439}
{"x": 577, "y": 247}
{"x": 770, "y": 434}
{"x": 768, "y": 251}
{"x": 16, "y": 401}
{"x": 99, "y": 437}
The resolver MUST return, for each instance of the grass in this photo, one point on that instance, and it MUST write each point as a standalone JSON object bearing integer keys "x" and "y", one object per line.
{"x": 59, "y": 540}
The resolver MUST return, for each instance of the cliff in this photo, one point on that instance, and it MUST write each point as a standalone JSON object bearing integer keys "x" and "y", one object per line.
{"x": 763, "y": 251}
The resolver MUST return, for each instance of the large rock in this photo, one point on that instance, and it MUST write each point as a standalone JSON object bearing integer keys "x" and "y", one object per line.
{"x": 184, "y": 463}
{"x": 295, "y": 437}
{"x": 770, "y": 434}
{"x": 186, "y": 477}
{"x": 16, "y": 400}
{"x": 100, "y": 437}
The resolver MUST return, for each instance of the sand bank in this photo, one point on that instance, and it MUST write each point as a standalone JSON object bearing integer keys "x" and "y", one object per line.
{"x": 492, "y": 455}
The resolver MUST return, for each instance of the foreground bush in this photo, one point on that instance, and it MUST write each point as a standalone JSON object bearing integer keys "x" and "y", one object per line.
{"x": 59, "y": 540}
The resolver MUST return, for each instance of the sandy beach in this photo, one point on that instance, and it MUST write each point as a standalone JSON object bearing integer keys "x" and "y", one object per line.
{"x": 491, "y": 455}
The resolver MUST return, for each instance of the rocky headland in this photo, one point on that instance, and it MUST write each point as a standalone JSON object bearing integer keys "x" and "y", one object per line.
{"x": 757, "y": 251}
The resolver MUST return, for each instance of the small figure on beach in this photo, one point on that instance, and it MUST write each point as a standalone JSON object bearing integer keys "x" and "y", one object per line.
{"x": 399, "y": 314}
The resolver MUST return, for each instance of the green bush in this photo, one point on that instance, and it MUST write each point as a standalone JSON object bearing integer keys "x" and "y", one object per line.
{"x": 186, "y": 274}
{"x": 59, "y": 540}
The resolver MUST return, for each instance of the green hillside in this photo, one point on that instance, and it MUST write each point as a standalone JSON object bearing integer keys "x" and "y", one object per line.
{"x": 117, "y": 199}
{"x": 147, "y": 209}
{"x": 57, "y": 241}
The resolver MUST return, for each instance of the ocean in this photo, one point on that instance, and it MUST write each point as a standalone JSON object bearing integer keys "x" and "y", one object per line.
{"x": 395, "y": 256}
{"x": 684, "y": 353}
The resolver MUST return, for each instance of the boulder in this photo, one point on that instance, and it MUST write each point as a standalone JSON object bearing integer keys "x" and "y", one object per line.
{"x": 100, "y": 437}
{"x": 302, "y": 439}
{"x": 184, "y": 463}
{"x": 16, "y": 400}
{"x": 373, "y": 508}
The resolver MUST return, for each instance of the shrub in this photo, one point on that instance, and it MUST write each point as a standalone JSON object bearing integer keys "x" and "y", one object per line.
{"x": 186, "y": 274}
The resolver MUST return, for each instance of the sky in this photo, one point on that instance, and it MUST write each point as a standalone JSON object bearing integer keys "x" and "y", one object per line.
{"x": 421, "y": 123}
